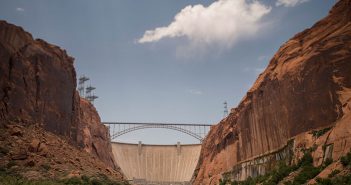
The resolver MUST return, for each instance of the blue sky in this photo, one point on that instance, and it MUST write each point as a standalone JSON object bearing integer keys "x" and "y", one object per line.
{"x": 185, "y": 74}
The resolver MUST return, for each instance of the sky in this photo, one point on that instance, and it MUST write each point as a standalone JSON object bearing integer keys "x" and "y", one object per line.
{"x": 167, "y": 61}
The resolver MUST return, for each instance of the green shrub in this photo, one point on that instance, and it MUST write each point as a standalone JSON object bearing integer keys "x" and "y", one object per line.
{"x": 222, "y": 181}
{"x": 345, "y": 160}
{"x": 249, "y": 181}
{"x": 306, "y": 160}
{"x": 282, "y": 170}
{"x": 279, "y": 173}
{"x": 340, "y": 180}
{"x": 104, "y": 181}
{"x": 321, "y": 181}
{"x": 333, "y": 173}
{"x": 318, "y": 133}
{"x": 288, "y": 183}
{"x": 271, "y": 178}
{"x": 72, "y": 181}
{"x": 308, "y": 172}
{"x": 328, "y": 161}
{"x": 85, "y": 179}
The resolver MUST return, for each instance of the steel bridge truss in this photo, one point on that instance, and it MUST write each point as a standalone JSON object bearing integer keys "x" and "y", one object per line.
{"x": 198, "y": 131}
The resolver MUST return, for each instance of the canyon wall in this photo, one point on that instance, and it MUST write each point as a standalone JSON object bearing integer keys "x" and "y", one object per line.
{"x": 38, "y": 86}
{"x": 306, "y": 86}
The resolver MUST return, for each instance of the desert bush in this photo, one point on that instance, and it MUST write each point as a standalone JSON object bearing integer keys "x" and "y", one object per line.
{"x": 327, "y": 162}
{"x": 319, "y": 133}
{"x": 345, "y": 160}
{"x": 333, "y": 173}
{"x": 308, "y": 172}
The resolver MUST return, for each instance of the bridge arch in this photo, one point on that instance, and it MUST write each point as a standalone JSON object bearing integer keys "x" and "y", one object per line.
{"x": 198, "y": 131}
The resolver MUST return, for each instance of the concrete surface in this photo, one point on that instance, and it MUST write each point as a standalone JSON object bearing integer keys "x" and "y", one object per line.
{"x": 157, "y": 163}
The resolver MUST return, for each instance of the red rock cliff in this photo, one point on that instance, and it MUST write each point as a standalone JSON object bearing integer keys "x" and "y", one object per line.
{"x": 38, "y": 86}
{"x": 92, "y": 135}
{"x": 305, "y": 86}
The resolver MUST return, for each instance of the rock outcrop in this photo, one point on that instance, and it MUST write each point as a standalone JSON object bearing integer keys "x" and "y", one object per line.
{"x": 92, "y": 135}
{"x": 38, "y": 82}
{"x": 305, "y": 87}
{"x": 38, "y": 86}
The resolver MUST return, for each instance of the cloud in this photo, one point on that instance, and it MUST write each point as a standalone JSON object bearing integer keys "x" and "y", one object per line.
{"x": 223, "y": 23}
{"x": 195, "y": 92}
{"x": 19, "y": 9}
{"x": 289, "y": 3}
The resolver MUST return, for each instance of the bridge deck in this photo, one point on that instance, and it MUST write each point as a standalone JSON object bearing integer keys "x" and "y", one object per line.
{"x": 198, "y": 131}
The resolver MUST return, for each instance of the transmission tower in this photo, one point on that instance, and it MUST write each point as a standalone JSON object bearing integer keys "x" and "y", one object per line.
{"x": 225, "y": 112}
{"x": 81, "y": 85}
{"x": 86, "y": 92}
{"x": 89, "y": 95}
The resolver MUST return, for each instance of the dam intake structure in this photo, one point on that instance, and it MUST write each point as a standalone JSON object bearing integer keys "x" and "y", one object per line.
{"x": 145, "y": 164}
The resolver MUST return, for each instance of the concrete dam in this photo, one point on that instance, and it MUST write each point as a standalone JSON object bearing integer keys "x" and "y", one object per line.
{"x": 157, "y": 164}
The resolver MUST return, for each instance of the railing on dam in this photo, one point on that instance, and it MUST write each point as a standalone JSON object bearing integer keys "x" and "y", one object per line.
{"x": 198, "y": 131}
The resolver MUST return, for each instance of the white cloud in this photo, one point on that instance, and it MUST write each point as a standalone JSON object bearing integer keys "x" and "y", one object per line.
{"x": 223, "y": 22}
{"x": 289, "y": 3}
{"x": 195, "y": 92}
{"x": 20, "y": 9}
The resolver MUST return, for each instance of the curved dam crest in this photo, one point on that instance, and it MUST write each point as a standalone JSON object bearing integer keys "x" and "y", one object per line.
{"x": 164, "y": 164}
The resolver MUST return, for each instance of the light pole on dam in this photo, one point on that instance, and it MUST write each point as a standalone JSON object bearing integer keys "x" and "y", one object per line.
{"x": 157, "y": 164}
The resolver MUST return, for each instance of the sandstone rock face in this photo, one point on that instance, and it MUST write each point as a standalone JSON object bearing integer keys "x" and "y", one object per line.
{"x": 92, "y": 135}
{"x": 38, "y": 86}
{"x": 37, "y": 82}
{"x": 305, "y": 86}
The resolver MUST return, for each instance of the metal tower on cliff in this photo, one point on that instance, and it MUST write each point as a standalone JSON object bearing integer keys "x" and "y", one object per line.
{"x": 81, "y": 85}
{"x": 86, "y": 92}
{"x": 89, "y": 95}
{"x": 225, "y": 112}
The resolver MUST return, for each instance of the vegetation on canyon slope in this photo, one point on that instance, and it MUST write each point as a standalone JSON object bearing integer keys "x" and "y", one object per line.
{"x": 11, "y": 178}
{"x": 303, "y": 170}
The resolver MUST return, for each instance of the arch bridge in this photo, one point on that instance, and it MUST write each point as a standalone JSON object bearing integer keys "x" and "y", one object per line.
{"x": 198, "y": 131}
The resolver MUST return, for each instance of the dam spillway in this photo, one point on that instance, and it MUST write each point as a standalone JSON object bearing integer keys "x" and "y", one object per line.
{"x": 157, "y": 164}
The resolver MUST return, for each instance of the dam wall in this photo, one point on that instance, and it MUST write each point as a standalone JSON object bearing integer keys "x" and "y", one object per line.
{"x": 157, "y": 164}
